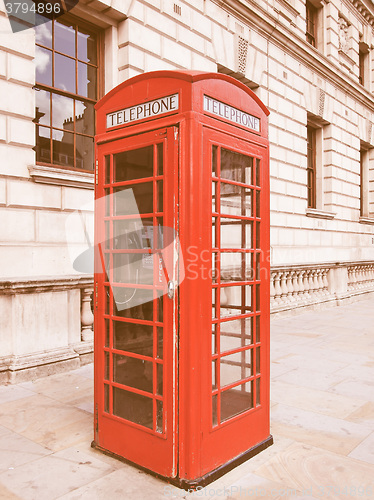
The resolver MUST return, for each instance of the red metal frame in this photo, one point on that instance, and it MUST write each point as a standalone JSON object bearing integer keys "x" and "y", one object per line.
{"x": 194, "y": 446}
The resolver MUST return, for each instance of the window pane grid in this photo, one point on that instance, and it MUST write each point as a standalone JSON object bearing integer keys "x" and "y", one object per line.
{"x": 71, "y": 83}
{"x": 136, "y": 387}
{"x": 236, "y": 193}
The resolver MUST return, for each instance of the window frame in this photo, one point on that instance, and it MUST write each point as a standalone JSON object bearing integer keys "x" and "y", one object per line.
{"x": 99, "y": 36}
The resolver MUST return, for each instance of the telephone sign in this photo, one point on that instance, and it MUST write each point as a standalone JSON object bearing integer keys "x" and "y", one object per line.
{"x": 182, "y": 245}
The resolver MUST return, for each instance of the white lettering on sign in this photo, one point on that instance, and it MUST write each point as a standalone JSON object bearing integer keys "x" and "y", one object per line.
{"x": 233, "y": 114}
{"x": 141, "y": 111}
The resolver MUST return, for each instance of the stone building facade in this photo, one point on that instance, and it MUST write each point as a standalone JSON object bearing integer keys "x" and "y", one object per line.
{"x": 310, "y": 61}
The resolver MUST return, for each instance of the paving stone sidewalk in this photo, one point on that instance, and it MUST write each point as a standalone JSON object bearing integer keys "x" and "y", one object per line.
{"x": 322, "y": 414}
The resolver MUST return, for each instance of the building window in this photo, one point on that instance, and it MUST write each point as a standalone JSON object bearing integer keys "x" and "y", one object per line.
{"x": 311, "y": 24}
{"x": 311, "y": 166}
{"x": 363, "y": 64}
{"x": 366, "y": 182}
{"x": 66, "y": 58}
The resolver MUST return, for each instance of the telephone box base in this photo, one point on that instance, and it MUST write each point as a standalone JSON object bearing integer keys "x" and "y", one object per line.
{"x": 192, "y": 484}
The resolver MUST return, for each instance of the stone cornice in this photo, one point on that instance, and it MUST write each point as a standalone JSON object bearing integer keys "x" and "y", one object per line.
{"x": 270, "y": 28}
{"x": 364, "y": 10}
{"x": 12, "y": 286}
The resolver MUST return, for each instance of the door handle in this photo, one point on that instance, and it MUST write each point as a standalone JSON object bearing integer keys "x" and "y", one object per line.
{"x": 171, "y": 289}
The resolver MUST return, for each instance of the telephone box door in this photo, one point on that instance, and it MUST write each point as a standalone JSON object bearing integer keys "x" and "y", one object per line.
{"x": 135, "y": 345}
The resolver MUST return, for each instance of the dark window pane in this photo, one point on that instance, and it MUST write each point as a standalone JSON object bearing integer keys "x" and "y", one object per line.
{"x": 106, "y": 398}
{"x": 235, "y": 334}
{"x": 160, "y": 379}
{"x": 214, "y": 161}
{"x": 107, "y": 324}
{"x": 64, "y": 73}
{"x": 43, "y": 63}
{"x": 107, "y": 169}
{"x": 42, "y": 107}
{"x": 237, "y": 400}
{"x": 106, "y": 367}
{"x": 86, "y": 81}
{"x": 133, "y": 337}
{"x": 235, "y": 300}
{"x": 236, "y": 167}
{"x": 134, "y": 164}
{"x": 236, "y": 266}
{"x": 236, "y": 233}
{"x": 62, "y": 112}
{"x": 43, "y": 148}
{"x": 63, "y": 148}
{"x": 214, "y": 411}
{"x": 235, "y": 367}
{"x": 160, "y": 159}
{"x": 65, "y": 39}
{"x": 86, "y": 47}
{"x": 43, "y": 34}
{"x": 133, "y": 407}
{"x": 84, "y": 152}
{"x": 258, "y": 394}
{"x": 133, "y": 372}
{"x": 258, "y": 172}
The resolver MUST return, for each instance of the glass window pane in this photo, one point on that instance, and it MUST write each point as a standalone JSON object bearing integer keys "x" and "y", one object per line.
{"x": 107, "y": 169}
{"x": 235, "y": 334}
{"x": 258, "y": 173}
{"x": 62, "y": 112}
{"x": 65, "y": 38}
{"x": 237, "y": 400}
{"x": 133, "y": 303}
{"x": 160, "y": 341}
{"x": 84, "y": 152}
{"x": 84, "y": 118}
{"x": 133, "y": 407}
{"x": 134, "y": 164}
{"x": 133, "y": 234}
{"x": 63, "y": 148}
{"x": 133, "y": 372}
{"x": 87, "y": 80}
{"x": 235, "y": 367}
{"x": 43, "y": 148}
{"x": 258, "y": 393}
{"x": 43, "y": 34}
{"x": 236, "y": 266}
{"x": 87, "y": 47}
{"x": 160, "y": 159}
{"x": 106, "y": 398}
{"x": 160, "y": 379}
{"x": 236, "y": 166}
{"x": 43, "y": 64}
{"x": 160, "y": 413}
{"x": 137, "y": 199}
{"x": 133, "y": 268}
{"x": 236, "y": 233}
{"x": 64, "y": 73}
{"x": 214, "y": 161}
{"x": 133, "y": 337}
{"x": 236, "y": 200}
{"x": 42, "y": 107}
{"x": 106, "y": 367}
{"x": 235, "y": 300}
{"x": 214, "y": 411}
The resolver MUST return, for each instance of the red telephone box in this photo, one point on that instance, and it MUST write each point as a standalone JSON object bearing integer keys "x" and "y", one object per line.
{"x": 182, "y": 275}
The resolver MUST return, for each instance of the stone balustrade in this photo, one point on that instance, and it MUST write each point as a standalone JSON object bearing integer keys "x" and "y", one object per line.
{"x": 297, "y": 286}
